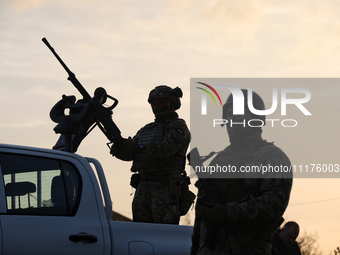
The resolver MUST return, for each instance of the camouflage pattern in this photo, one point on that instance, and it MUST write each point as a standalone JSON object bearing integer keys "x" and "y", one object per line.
{"x": 253, "y": 205}
{"x": 165, "y": 144}
{"x": 153, "y": 203}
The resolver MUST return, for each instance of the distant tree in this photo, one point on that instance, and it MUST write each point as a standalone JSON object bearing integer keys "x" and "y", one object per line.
{"x": 337, "y": 251}
{"x": 308, "y": 244}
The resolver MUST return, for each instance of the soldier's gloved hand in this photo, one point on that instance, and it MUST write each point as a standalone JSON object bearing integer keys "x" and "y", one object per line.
{"x": 129, "y": 147}
{"x": 128, "y": 150}
{"x": 115, "y": 149}
{"x": 216, "y": 214}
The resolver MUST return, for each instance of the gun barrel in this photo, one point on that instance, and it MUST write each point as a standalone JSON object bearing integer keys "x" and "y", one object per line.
{"x": 71, "y": 76}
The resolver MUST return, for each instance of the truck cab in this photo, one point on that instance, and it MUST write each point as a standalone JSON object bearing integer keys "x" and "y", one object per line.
{"x": 51, "y": 202}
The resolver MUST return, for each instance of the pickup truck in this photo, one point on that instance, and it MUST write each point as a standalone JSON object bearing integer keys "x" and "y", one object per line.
{"x": 53, "y": 202}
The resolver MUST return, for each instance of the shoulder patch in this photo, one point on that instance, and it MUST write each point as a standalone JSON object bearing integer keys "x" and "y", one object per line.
{"x": 180, "y": 130}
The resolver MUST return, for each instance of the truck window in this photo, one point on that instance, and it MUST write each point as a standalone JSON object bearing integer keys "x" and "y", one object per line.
{"x": 40, "y": 186}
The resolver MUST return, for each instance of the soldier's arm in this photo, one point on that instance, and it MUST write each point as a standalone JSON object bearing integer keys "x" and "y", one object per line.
{"x": 176, "y": 137}
{"x": 272, "y": 199}
{"x": 271, "y": 204}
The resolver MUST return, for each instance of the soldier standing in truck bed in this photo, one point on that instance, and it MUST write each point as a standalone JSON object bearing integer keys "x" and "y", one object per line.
{"x": 158, "y": 153}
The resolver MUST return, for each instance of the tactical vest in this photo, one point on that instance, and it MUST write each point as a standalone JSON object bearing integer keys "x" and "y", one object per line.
{"x": 154, "y": 132}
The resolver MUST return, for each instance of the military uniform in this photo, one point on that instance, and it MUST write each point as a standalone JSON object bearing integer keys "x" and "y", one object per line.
{"x": 253, "y": 206}
{"x": 158, "y": 153}
{"x": 166, "y": 143}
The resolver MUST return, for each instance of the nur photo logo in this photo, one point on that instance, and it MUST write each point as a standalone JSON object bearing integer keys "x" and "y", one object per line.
{"x": 242, "y": 102}
{"x": 204, "y": 97}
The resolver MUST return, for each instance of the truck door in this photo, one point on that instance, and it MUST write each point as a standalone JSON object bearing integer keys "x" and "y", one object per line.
{"x": 47, "y": 207}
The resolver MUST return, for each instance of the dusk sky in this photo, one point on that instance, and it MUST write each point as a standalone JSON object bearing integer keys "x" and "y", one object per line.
{"x": 129, "y": 47}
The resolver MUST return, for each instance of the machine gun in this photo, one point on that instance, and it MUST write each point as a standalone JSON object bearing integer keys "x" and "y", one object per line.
{"x": 211, "y": 197}
{"x": 84, "y": 115}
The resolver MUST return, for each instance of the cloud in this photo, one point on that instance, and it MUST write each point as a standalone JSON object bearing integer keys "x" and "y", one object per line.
{"x": 24, "y": 124}
{"x": 21, "y": 6}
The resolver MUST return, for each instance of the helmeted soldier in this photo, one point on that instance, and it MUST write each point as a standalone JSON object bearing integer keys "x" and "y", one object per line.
{"x": 158, "y": 153}
{"x": 251, "y": 208}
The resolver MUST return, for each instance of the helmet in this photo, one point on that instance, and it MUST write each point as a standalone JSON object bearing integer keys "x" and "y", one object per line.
{"x": 165, "y": 92}
{"x": 257, "y": 103}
